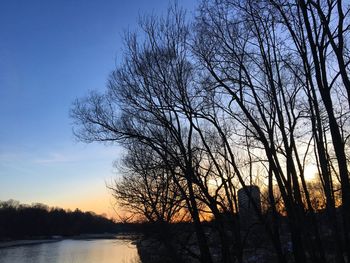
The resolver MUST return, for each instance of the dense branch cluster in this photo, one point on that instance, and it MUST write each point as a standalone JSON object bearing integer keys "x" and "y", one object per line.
{"x": 248, "y": 92}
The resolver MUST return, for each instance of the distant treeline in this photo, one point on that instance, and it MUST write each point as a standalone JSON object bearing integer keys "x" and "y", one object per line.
{"x": 38, "y": 220}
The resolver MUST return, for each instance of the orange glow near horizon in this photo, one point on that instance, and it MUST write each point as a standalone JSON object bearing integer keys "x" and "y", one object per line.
{"x": 98, "y": 206}
{"x": 100, "y": 203}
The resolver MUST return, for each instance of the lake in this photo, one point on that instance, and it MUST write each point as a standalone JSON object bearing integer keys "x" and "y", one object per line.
{"x": 118, "y": 250}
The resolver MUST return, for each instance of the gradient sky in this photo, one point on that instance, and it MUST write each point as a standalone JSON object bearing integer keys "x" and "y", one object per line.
{"x": 52, "y": 52}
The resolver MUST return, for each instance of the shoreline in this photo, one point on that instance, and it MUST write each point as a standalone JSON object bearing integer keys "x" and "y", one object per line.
{"x": 28, "y": 242}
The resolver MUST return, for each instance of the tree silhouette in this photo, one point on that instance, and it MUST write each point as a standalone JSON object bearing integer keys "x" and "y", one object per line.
{"x": 247, "y": 93}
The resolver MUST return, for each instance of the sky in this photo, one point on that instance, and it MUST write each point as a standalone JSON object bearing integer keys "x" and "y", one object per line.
{"x": 52, "y": 52}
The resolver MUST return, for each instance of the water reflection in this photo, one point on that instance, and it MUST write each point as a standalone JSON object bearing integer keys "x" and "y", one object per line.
{"x": 73, "y": 251}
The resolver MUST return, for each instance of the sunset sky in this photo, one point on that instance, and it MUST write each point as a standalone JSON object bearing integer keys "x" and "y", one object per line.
{"x": 52, "y": 52}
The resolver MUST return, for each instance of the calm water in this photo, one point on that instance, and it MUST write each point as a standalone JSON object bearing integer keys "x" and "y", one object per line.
{"x": 73, "y": 251}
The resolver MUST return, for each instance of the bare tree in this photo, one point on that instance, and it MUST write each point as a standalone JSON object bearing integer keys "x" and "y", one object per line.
{"x": 319, "y": 30}
{"x": 251, "y": 60}
{"x": 142, "y": 104}
{"x": 146, "y": 187}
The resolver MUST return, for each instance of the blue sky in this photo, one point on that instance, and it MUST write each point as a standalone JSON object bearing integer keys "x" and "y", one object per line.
{"x": 52, "y": 52}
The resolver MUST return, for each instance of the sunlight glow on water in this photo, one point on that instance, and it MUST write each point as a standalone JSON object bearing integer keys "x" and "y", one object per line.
{"x": 73, "y": 251}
